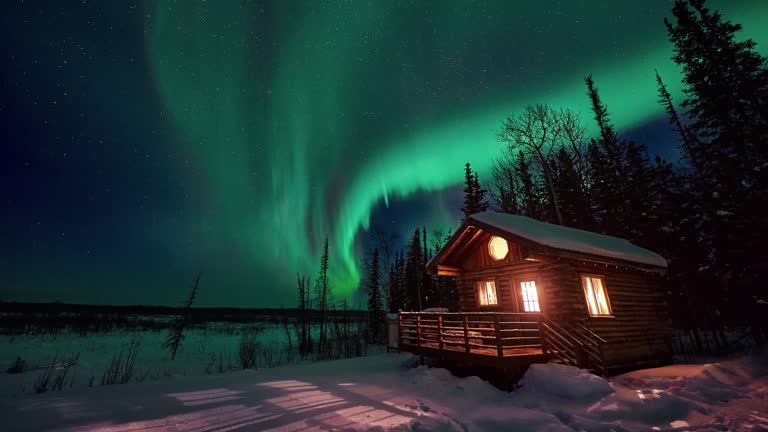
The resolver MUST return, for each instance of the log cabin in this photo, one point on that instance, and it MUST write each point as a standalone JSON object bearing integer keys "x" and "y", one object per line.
{"x": 535, "y": 292}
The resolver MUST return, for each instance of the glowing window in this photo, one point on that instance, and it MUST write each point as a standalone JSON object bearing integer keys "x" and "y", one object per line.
{"x": 530, "y": 296}
{"x": 486, "y": 292}
{"x": 597, "y": 298}
{"x": 498, "y": 248}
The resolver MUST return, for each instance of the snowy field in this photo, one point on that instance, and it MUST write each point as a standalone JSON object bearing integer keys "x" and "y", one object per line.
{"x": 208, "y": 350}
{"x": 389, "y": 392}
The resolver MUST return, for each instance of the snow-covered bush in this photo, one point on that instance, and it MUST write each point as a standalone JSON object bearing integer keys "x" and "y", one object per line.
{"x": 564, "y": 381}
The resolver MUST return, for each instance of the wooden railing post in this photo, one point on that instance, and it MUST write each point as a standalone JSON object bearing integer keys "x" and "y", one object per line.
{"x": 602, "y": 360}
{"x": 440, "y": 332}
{"x": 497, "y": 331}
{"x": 466, "y": 334}
{"x": 543, "y": 336}
{"x": 418, "y": 330}
{"x": 400, "y": 330}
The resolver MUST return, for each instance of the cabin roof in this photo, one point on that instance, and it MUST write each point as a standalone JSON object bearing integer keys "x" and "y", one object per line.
{"x": 554, "y": 238}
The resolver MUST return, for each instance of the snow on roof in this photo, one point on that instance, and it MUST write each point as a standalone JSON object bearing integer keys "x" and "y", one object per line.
{"x": 570, "y": 239}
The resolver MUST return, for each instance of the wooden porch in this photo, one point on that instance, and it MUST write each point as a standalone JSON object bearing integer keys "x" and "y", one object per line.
{"x": 499, "y": 339}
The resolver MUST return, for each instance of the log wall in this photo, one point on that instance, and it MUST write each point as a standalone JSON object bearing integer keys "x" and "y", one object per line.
{"x": 504, "y": 277}
{"x": 639, "y": 330}
{"x": 637, "y": 333}
{"x": 478, "y": 257}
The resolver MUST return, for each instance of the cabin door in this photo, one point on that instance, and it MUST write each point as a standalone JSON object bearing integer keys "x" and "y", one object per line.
{"x": 526, "y": 294}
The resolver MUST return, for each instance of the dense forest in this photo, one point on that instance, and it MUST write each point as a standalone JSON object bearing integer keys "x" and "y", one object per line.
{"x": 706, "y": 214}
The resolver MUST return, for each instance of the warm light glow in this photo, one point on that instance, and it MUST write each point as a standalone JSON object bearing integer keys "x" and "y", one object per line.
{"x": 597, "y": 299}
{"x": 498, "y": 248}
{"x": 530, "y": 296}
{"x": 486, "y": 292}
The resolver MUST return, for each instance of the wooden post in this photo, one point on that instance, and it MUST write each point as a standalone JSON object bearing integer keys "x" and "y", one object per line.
{"x": 466, "y": 334}
{"x": 440, "y": 332}
{"x": 542, "y": 336}
{"x": 497, "y": 330}
{"x": 602, "y": 360}
{"x": 399, "y": 330}
{"x": 418, "y": 330}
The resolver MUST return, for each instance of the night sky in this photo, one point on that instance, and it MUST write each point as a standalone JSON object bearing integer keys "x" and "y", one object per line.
{"x": 144, "y": 142}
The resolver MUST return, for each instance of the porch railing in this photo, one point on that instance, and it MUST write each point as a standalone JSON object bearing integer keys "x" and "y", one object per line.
{"x": 501, "y": 334}
{"x": 489, "y": 333}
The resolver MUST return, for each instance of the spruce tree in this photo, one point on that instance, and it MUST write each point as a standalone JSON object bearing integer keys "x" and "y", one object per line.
{"x": 413, "y": 274}
{"x": 725, "y": 83}
{"x": 687, "y": 140}
{"x": 480, "y": 204}
{"x": 429, "y": 294}
{"x": 569, "y": 187}
{"x": 726, "y": 86}
{"x": 469, "y": 193}
{"x": 322, "y": 290}
{"x": 505, "y": 186}
{"x": 396, "y": 285}
{"x": 607, "y": 171}
{"x": 376, "y": 317}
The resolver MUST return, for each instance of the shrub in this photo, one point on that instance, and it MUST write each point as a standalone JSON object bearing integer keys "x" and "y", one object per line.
{"x": 54, "y": 376}
{"x": 123, "y": 365}
{"x": 248, "y": 351}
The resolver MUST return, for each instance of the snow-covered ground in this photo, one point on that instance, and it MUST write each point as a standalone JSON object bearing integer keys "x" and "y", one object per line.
{"x": 94, "y": 351}
{"x": 388, "y": 392}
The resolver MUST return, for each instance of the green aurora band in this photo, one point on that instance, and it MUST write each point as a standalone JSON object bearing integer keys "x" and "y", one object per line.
{"x": 303, "y": 119}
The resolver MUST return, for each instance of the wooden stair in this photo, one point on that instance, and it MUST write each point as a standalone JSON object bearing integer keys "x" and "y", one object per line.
{"x": 576, "y": 346}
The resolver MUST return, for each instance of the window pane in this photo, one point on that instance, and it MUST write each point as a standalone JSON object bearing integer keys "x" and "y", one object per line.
{"x": 490, "y": 289}
{"x": 602, "y": 300}
{"x": 498, "y": 248}
{"x": 486, "y": 292}
{"x": 481, "y": 294}
{"x": 530, "y": 296}
{"x": 590, "y": 293}
{"x": 594, "y": 291}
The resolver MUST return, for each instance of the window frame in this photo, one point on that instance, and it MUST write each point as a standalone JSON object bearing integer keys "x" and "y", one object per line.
{"x": 477, "y": 293}
{"x": 582, "y": 276}
{"x": 518, "y": 287}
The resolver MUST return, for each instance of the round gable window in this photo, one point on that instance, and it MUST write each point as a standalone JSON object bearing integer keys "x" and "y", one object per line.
{"x": 498, "y": 248}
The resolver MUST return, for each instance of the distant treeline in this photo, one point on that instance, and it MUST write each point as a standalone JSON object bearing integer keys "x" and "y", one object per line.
{"x": 17, "y": 317}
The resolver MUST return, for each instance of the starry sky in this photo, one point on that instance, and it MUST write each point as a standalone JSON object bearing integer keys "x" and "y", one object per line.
{"x": 143, "y": 142}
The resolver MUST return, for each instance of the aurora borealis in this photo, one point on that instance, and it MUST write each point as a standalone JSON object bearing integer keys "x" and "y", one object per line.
{"x": 145, "y": 142}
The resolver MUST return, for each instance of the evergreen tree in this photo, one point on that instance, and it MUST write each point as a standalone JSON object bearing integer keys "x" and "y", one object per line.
{"x": 429, "y": 294}
{"x": 413, "y": 274}
{"x": 481, "y": 205}
{"x": 469, "y": 193}
{"x": 725, "y": 82}
{"x": 608, "y": 178}
{"x": 641, "y": 200}
{"x": 474, "y": 194}
{"x": 397, "y": 284}
{"x": 569, "y": 187}
{"x": 445, "y": 287}
{"x": 665, "y": 99}
{"x": 376, "y": 317}
{"x": 530, "y": 202}
{"x": 304, "y": 321}
{"x": 505, "y": 186}
{"x": 323, "y": 293}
